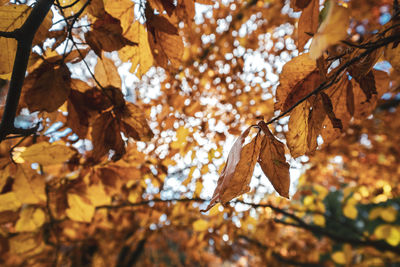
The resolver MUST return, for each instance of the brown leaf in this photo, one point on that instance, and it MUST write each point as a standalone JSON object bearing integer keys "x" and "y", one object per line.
{"x": 106, "y": 135}
{"x": 134, "y": 123}
{"x": 293, "y": 72}
{"x": 338, "y": 95}
{"x": 106, "y": 35}
{"x": 235, "y": 177}
{"x": 315, "y": 119}
{"x": 273, "y": 162}
{"x": 336, "y": 123}
{"x": 78, "y": 113}
{"x": 350, "y": 99}
{"x": 106, "y": 72}
{"x": 51, "y": 81}
{"x": 308, "y": 22}
{"x": 302, "y": 88}
{"x": 364, "y": 106}
{"x": 367, "y": 84}
{"x": 159, "y": 22}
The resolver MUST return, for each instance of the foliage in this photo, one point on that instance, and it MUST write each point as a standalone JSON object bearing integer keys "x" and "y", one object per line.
{"x": 105, "y": 168}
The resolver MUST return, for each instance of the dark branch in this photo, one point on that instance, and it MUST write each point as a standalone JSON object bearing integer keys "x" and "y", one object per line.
{"x": 24, "y": 36}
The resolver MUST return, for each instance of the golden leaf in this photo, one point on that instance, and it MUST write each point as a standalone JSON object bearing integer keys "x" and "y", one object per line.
{"x": 292, "y": 73}
{"x": 30, "y": 220}
{"x": 79, "y": 209}
{"x": 122, "y": 10}
{"x": 332, "y": 30}
{"x": 9, "y": 201}
{"x": 29, "y": 186}
{"x": 11, "y": 17}
{"x": 235, "y": 177}
{"x": 46, "y": 153}
{"x": 106, "y": 72}
{"x": 200, "y": 225}
{"x": 297, "y": 136}
{"x": 273, "y": 162}
{"x": 140, "y": 55}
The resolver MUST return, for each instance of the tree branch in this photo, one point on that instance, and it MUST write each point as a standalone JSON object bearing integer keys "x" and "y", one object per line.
{"x": 24, "y": 36}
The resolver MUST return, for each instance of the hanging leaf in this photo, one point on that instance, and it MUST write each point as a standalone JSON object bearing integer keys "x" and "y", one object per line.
{"x": 308, "y": 22}
{"x": 134, "y": 123}
{"x": 332, "y": 30}
{"x": 235, "y": 177}
{"x": 273, "y": 162}
{"x": 297, "y": 136}
{"x": 336, "y": 123}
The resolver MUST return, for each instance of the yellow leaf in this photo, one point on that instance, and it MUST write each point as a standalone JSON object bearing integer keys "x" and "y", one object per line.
{"x": 332, "y": 30}
{"x": 11, "y": 18}
{"x": 97, "y": 195}
{"x": 389, "y": 233}
{"x": 9, "y": 201}
{"x": 308, "y": 23}
{"x": 339, "y": 257}
{"x": 79, "y": 210}
{"x": 47, "y": 154}
{"x": 350, "y": 211}
{"x": 29, "y": 186}
{"x": 140, "y": 55}
{"x": 389, "y": 214}
{"x": 297, "y": 136}
{"x": 26, "y": 243}
{"x": 181, "y": 135}
{"x": 319, "y": 220}
{"x": 30, "y": 219}
{"x": 122, "y": 10}
{"x": 200, "y": 225}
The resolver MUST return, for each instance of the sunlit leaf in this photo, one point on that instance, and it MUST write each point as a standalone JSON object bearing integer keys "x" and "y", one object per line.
{"x": 79, "y": 210}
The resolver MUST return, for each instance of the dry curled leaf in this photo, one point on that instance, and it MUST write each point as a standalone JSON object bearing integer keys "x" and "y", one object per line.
{"x": 235, "y": 177}
{"x": 273, "y": 162}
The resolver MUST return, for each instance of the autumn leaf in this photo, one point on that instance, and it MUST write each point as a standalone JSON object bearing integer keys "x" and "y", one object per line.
{"x": 235, "y": 177}
{"x": 79, "y": 210}
{"x": 46, "y": 153}
{"x": 106, "y": 135}
{"x": 134, "y": 123}
{"x": 30, "y": 220}
{"x": 293, "y": 73}
{"x": 308, "y": 22}
{"x": 50, "y": 80}
{"x": 140, "y": 55}
{"x": 106, "y": 72}
{"x": 122, "y": 10}
{"x": 332, "y": 30}
{"x": 297, "y": 136}
{"x": 273, "y": 162}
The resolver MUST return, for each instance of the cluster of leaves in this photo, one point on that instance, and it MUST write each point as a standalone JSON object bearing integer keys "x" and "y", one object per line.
{"x": 115, "y": 172}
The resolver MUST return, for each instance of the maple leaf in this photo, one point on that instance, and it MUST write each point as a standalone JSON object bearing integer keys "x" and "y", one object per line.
{"x": 235, "y": 177}
{"x": 273, "y": 162}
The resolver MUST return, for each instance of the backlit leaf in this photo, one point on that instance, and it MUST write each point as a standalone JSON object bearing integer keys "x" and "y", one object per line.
{"x": 79, "y": 210}
{"x": 235, "y": 177}
{"x": 30, "y": 220}
{"x": 106, "y": 72}
{"x": 47, "y": 154}
{"x": 297, "y": 136}
{"x": 331, "y": 31}
{"x": 308, "y": 22}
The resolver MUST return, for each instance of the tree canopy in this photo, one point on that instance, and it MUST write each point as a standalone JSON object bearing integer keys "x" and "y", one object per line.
{"x": 199, "y": 133}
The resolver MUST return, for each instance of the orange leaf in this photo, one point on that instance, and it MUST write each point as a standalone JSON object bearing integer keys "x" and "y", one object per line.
{"x": 236, "y": 175}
